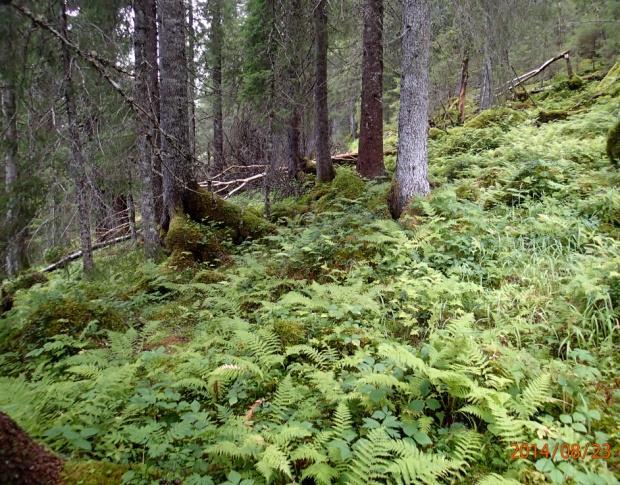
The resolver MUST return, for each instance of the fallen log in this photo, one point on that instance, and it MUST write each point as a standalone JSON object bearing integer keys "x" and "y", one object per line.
{"x": 517, "y": 81}
{"x": 75, "y": 255}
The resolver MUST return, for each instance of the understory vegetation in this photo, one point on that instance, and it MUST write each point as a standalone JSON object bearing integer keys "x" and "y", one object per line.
{"x": 345, "y": 347}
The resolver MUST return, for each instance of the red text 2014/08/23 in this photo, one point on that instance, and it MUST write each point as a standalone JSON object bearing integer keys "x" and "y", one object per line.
{"x": 564, "y": 451}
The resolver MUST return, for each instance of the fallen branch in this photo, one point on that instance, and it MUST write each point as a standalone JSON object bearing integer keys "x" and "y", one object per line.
{"x": 77, "y": 254}
{"x": 516, "y": 82}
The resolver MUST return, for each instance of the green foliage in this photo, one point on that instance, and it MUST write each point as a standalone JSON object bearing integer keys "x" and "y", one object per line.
{"x": 344, "y": 347}
{"x": 613, "y": 144}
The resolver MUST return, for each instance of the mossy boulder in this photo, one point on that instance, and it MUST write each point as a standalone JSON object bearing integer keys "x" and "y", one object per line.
{"x": 204, "y": 206}
{"x": 613, "y": 144}
{"x": 190, "y": 242}
{"x": 290, "y": 332}
{"x": 502, "y": 116}
{"x": 347, "y": 184}
{"x": 574, "y": 83}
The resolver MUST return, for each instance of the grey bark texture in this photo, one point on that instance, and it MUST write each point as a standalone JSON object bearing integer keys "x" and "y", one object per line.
{"x": 324, "y": 167}
{"x": 411, "y": 176}
{"x": 370, "y": 159}
{"x": 217, "y": 34}
{"x": 144, "y": 20}
{"x": 77, "y": 167}
{"x": 486, "y": 86}
{"x": 174, "y": 122}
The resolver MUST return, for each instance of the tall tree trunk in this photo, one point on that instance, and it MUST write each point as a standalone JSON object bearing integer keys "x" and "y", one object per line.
{"x": 324, "y": 167}
{"x": 15, "y": 252}
{"x": 370, "y": 159}
{"x": 151, "y": 59}
{"x": 174, "y": 123}
{"x": 412, "y": 161}
{"x": 463, "y": 87}
{"x": 352, "y": 118}
{"x": 217, "y": 34}
{"x": 131, "y": 217}
{"x": 77, "y": 167}
{"x": 144, "y": 20}
{"x": 486, "y": 87}
{"x": 191, "y": 67}
{"x": 294, "y": 152}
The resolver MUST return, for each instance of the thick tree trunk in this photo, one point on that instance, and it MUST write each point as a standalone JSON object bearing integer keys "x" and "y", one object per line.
{"x": 463, "y": 87}
{"x": 217, "y": 34}
{"x": 191, "y": 67}
{"x": 370, "y": 160}
{"x": 131, "y": 213}
{"x": 144, "y": 21}
{"x": 77, "y": 166}
{"x": 352, "y": 118}
{"x": 15, "y": 253}
{"x": 412, "y": 163}
{"x": 324, "y": 167}
{"x": 174, "y": 123}
{"x": 152, "y": 62}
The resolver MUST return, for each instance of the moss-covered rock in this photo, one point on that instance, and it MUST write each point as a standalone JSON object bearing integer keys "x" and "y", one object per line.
{"x": 290, "y": 332}
{"x": 435, "y": 133}
{"x": 574, "y": 83}
{"x": 348, "y": 183}
{"x": 501, "y": 116}
{"x": 204, "y": 206}
{"x": 613, "y": 144}
{"x": 190, "y": 242}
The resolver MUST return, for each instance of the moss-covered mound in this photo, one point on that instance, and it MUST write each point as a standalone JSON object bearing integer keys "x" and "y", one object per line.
{"x": 347, "y": 184}
{"x": 191, "y": 242}
{"x": 610, "y": 84}
{"x": 613, "y": 144}
{"x": 93, "y": 473}
{"x": 22, "y": 282}
{"x": 551, "y": 115}
{"x": 204, "y": 206}
{"x": 501, "y": 116}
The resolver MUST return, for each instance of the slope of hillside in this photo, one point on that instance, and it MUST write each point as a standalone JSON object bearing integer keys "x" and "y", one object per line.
{"x": 351, "y": 348}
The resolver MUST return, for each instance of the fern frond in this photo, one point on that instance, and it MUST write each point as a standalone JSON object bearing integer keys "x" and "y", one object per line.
{"x": 273, "y": 460}
{"x": 537, "y": 392}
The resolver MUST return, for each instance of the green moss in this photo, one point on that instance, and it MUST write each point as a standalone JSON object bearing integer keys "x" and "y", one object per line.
{"x": 208, "y": 276}
{"x": 290, "y": 332}
{"x": 435, "y": 133}
{"x": 190, "y": 242}
{"x": 22, "y": 282}
{"x": 204, "y": 206}
{"x": 613, "y": 144}
{"x": 467, "y": 191}
{"x": 348, "y": 183}
{"x": 574, "y": 83}
{"x": 93, "y": 473}
{"x": 501, "y": 116}
{"x": 551, "y": 115}
{"x": 611, "y": 82}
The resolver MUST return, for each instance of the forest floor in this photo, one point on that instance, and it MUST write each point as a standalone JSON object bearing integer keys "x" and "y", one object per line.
{"x": 474, "y": 341}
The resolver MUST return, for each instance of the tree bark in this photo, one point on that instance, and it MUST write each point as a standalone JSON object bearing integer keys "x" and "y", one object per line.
{"x": 191, "y": 67}
{"x": 463, "y": 87}
{"x": 151, "y": 59}
{"x": 217, "y": 34}
{"x": 370, "y": 160}
{"x": 77, "y": 166}
{"x": 411, "y": 177}
{"x": 15, "y": 259}
{"x": 294, "y": 152}
{"x": 176, "y": 158}
{"x": 324, "y": 167}
{"x": 144, "y": 21}
{"x": 486, "y": 87}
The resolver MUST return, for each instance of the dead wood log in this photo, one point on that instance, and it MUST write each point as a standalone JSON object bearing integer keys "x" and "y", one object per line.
{"x": 517, "y": 81}
{"x": 77, "y": 254}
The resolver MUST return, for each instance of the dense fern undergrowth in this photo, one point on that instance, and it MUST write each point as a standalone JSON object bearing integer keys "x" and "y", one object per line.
{"x": 349, "y": 348}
